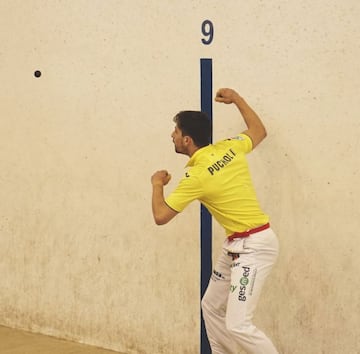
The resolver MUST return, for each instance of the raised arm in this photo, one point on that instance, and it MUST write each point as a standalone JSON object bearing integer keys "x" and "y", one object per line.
{"x": 256, "y": 130}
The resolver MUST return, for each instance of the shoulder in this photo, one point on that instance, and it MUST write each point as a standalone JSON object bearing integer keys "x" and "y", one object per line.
{"x": 240, "y": 141}
{"x": 193, "y": 175}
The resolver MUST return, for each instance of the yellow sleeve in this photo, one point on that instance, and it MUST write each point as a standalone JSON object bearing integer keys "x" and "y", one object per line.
{"x": 243, "y": 142}
{"x": 188, "y": 190}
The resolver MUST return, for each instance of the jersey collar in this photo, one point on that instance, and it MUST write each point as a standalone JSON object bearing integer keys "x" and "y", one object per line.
{"x": 196, "y": 156}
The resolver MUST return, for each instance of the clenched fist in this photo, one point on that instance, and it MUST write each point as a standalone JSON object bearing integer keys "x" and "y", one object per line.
{"x": 161, "y": 177}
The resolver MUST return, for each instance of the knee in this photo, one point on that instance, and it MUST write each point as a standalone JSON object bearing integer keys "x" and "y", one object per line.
{"x": 209, "y": 305}
{"x": 205, "y": 304}
{"x": 208, "y": 300}
{"x": 239, "y": 328}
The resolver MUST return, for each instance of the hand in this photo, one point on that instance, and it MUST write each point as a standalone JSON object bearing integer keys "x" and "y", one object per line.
{"x": 161, "y": 178}
{"x": 226, "y": 95}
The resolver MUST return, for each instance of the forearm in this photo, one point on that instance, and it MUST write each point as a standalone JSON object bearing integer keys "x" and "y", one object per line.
{"x": 158, "y": 199}
{"x": 252, "y": 120}
{"x": 162, "y": 213}
{"x": 256, "y": 129}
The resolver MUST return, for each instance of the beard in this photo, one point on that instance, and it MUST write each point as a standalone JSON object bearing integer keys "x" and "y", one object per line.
{"x": 179, "y": 150}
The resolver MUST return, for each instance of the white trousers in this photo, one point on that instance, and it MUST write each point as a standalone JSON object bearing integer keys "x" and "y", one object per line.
{"x": 233, "y": 292}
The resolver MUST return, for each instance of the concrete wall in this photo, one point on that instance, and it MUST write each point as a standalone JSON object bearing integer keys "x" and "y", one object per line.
{"x": 80, "y": 257}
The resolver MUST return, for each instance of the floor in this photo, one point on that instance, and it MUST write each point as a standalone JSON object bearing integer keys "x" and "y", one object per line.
{"x": 20, "y": 342}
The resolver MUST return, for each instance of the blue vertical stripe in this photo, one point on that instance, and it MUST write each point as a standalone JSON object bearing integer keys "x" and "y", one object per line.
{"x": 206, "y": 221}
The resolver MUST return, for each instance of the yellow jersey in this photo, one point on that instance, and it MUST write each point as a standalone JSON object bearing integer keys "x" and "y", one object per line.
{"x": 218, "y": 176}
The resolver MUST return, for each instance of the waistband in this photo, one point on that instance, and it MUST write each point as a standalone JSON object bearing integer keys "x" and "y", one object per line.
{"x": 248, "y": 232}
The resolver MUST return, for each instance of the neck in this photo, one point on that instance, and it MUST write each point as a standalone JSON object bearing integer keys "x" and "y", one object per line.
{"x": 192, "y": 150}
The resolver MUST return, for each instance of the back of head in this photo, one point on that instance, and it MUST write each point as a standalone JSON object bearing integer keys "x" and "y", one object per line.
{"x": 195, "y": 124}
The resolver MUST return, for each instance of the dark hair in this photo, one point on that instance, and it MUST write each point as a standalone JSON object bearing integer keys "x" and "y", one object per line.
{"x": 195, "y": 124}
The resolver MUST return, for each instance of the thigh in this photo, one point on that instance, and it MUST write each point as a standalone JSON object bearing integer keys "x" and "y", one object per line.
{"x": 248, "y": 274}
{"x": 242, "y": 298}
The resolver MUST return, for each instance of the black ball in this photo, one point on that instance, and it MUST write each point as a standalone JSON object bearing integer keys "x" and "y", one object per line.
{"x": 37, "y": 73}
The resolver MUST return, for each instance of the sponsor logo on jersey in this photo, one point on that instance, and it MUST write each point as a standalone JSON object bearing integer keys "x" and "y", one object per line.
{"x": 238, "y": 137}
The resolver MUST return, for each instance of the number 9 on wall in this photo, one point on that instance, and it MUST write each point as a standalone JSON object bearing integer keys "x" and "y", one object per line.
{"x": 207, "y": 29}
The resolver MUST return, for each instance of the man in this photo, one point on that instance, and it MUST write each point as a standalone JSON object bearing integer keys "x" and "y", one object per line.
{"x": 218, "y": 176}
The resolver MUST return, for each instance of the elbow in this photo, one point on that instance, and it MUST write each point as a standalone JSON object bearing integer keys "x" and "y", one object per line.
{"x": 264, "y": 133}
{"x": 261, "y": 137}
{"x": 163, "y": 215}
{"x": 160, "y": 220}
{"x": 258, "y": 136}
